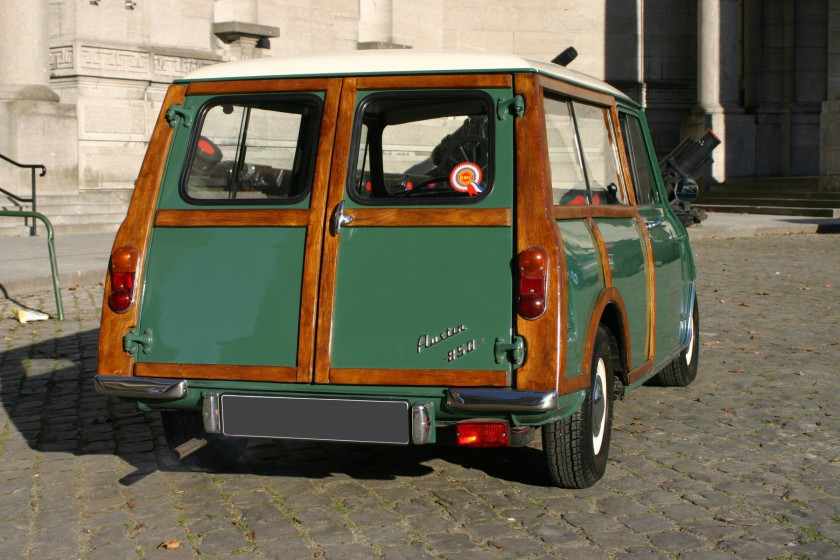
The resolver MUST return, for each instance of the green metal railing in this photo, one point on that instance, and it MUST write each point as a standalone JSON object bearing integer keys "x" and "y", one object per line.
{"x": 31, "y": 200}
{"x": 50, "y": 247}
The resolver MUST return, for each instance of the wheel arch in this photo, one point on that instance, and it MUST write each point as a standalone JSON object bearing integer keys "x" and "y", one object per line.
{"x": 610, "y": 312}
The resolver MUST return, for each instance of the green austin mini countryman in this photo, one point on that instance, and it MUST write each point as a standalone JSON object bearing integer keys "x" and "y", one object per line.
{"x": 397, "y": 247}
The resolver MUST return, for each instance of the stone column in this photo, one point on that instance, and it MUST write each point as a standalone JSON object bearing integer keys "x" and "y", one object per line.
{"x": 376, "y": 25}
{"x": 36, "y": 128}
{"x": 718, "y": 25}
{"x": 24, "y": 51}
{"x": 830, "y": 116}
{"x": 709, "y": 112}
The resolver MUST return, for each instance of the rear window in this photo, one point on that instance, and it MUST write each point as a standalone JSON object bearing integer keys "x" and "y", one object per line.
{"x": 253, "y": 150}
{"x": 422, "y": 148}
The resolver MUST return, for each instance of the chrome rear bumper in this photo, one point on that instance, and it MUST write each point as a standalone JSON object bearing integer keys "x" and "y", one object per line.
{"x": 141, "y": 387}
{"x": 501, "y": 400}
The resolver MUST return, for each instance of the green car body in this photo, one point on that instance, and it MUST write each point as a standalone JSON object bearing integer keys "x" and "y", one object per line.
{"x": 402, "y": 248}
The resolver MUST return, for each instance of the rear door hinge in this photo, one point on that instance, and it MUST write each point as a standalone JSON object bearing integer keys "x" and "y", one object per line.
{"x": 514, "y": 106}
{"x": 134, "y": 340}
{"x": 179, "y": 111}
{"x": 513, "y": 352}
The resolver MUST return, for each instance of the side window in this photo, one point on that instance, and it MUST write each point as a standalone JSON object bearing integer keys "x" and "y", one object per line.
{"x": 582, "y": 154}
{"x": 421, "y": 149}
{"x": 253, "y": 151}
{"x": 599, "y": 154}
{"x": 568, "y": 182}
{"x": 643, "y": 180}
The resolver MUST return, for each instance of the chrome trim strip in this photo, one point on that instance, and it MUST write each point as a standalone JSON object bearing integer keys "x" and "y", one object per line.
{"x": 501, "y": 399}
{"x": 140, "y": 387}
{"x": 421, "y": 423}
{"x": 210, "y": 413}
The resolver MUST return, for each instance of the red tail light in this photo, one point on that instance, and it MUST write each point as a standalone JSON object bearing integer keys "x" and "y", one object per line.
{"x": 533, "y": 282}
{"x": 123, "y": 270}
{"x": 483, "y": 433}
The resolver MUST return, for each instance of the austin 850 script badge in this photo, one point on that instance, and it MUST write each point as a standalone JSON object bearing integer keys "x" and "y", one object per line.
{"x": 426, "y": 341}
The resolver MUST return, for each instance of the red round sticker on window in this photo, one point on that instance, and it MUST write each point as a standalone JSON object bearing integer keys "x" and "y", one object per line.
{"x": 466, "y": 177}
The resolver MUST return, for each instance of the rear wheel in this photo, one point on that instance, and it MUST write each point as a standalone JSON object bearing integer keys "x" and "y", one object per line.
{"x": 220, "y": 454}
{"x": 683, "y": 369}
{"x": 576, "y": 447}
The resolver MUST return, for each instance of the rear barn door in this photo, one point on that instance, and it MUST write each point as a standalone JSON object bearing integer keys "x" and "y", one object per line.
{"x": 416, "y": 283}
{"x": 235, "y": 250}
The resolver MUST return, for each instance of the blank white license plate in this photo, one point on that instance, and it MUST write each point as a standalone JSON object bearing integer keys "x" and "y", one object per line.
{"x": 363, "y": 421}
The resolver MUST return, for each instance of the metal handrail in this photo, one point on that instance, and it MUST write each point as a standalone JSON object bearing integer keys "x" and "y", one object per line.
{"x": 50, "y": 247}
{"x": 32, "y": 167}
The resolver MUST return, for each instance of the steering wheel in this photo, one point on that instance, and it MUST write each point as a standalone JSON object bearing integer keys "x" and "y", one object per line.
{"x": 469, "y": 148}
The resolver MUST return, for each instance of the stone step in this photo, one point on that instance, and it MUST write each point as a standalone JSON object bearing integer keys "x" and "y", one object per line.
{"x": 86, "y": 218}
{"x": 51, "y": 209}
{"x": 87, "y": 196}
{"x": 741, "y": 200}
{"x": 13, "y": 227}
{"x": 99, "y": 210}
{"x": 773, "y": 210}
{"x": 769, "y": 185}
{"x": 67, "y": 229}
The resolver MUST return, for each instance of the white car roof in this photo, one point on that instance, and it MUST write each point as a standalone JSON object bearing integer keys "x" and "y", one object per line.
{"x": 391, "y": 61}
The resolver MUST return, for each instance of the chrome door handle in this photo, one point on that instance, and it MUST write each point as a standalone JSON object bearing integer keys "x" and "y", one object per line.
{"x": 340, "y": 218}
{"x": 653, "y": 223}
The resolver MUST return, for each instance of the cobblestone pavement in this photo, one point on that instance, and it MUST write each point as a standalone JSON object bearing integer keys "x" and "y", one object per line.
{"x": 745, "y": 463}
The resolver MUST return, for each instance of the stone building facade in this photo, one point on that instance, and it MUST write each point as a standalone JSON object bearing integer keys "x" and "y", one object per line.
{"x": 81, "y": 81}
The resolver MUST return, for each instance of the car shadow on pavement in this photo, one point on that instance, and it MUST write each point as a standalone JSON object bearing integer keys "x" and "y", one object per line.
{"x": 47, "y": 392}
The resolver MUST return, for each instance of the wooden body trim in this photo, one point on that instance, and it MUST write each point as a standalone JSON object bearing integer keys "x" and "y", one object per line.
{"x": 135, "y": 231}
{"x": 309, "y": 297}
{"x": 576, "y": 212}
{"x": 274, "y": 85}
{"x": 650, "y": 277}
{"x": 603, "y": 255}
{"x": 329, "y": 254}
{"x": 577, "y": 383}
{"x": 217, "y": 371}
{"x": 277, "y": 217}
{"x": 430, "y": 217}
{"x": 544, "y": 367}
{"x": 609, "y": 296}
{"x": 555, "y": 86}
{"x": 640, "y": 372}
{"x": 418, "y": 377}
{"x": 460, "y": 81}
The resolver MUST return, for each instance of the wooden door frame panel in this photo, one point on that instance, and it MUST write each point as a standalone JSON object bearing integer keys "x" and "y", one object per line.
{"x": 135, "y": 231}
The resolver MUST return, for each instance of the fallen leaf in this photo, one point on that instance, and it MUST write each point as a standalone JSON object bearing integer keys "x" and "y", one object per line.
{"x": 170, "y": 544}
{"x": 722, "y": 300}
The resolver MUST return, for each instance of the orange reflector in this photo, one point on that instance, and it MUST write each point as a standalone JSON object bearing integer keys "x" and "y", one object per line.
{"x": 124, "y": 259}
{"x": 533, "y": 261}
{"x": 482, "y": 433}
